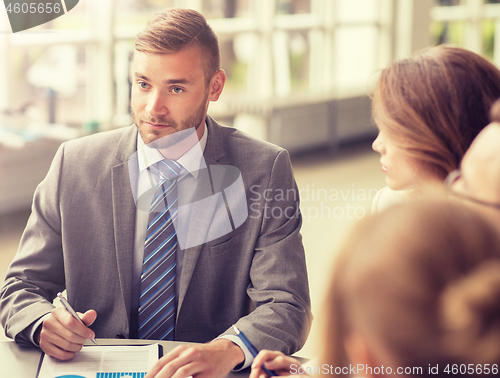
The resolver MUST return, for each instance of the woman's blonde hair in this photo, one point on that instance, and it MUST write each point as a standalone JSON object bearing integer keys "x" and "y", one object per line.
{"x": 423, "y": 280}
{"x": 435, "y": 103}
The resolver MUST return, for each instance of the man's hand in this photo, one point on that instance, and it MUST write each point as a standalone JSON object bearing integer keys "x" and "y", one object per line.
{"x": 61, "y": 335}
{"x": 277, "y": 361}
{"x": 215, "y": 359}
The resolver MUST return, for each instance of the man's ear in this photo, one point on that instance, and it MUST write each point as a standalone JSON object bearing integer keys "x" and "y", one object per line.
{"x": 216, "y": 85}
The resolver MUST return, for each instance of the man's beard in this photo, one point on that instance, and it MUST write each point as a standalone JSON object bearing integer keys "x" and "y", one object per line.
{"x": 186, "y": 128}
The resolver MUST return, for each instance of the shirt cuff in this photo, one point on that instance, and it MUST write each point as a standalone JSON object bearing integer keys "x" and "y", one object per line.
{"x": 29, "y": 332}
{"x": 248, "y": 356}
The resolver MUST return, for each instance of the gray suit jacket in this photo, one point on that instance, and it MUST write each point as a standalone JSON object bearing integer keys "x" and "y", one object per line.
{"x": 80, "y": 237}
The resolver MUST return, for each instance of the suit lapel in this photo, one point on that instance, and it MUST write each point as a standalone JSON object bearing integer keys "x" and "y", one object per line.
{"x": 204, "y": 207}
{"x": 124, "y": 214}
{"x": 206, "y": 216}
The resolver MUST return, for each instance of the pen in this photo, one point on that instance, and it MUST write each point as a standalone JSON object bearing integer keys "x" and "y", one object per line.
{"x": 71, "y": 311}
{"x": 253, "y": 350}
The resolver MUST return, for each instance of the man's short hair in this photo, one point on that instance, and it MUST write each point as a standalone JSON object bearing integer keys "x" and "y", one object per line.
{"x": 172, "y": 30}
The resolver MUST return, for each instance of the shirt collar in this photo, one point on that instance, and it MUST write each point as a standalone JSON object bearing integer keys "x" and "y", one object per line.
{"x": 191, "y": 162}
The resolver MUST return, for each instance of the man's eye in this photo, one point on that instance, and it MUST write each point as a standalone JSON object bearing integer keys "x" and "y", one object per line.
{"x": 177, "y": 90}
{"x": 143, "y": 85}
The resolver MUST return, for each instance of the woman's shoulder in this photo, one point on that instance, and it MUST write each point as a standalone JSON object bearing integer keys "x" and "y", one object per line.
{"x": 386, "y": 197}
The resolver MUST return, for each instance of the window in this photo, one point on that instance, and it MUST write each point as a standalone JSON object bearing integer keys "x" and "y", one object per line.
{"x": 473, "y": 24}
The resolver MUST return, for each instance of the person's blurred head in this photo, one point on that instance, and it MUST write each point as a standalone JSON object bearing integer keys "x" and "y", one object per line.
{"x": 415, "y": 285}
{"x": 478, "y": 180}
{"x": 428, "y": 109}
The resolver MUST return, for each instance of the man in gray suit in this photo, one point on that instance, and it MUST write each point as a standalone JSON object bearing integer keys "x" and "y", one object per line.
{"x": 235, "y": 264}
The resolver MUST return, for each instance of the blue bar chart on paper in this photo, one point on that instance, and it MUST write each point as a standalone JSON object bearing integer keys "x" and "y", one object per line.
{"x": 103, "y": 361}
{"x": 121, "y": 374}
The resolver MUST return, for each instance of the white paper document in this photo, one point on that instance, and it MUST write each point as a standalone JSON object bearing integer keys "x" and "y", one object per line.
{"x": 103, "y": 362}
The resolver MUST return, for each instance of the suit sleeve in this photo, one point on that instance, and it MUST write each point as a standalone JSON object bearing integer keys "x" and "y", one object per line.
{"x": 37, "y": 272}
{"x": 278, "y": 276}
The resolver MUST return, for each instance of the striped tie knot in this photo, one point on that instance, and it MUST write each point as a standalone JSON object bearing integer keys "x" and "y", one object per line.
{"x": 168, "y": 169}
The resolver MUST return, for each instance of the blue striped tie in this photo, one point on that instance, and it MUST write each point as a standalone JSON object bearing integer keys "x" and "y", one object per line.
{"x": 157, "y": 309}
